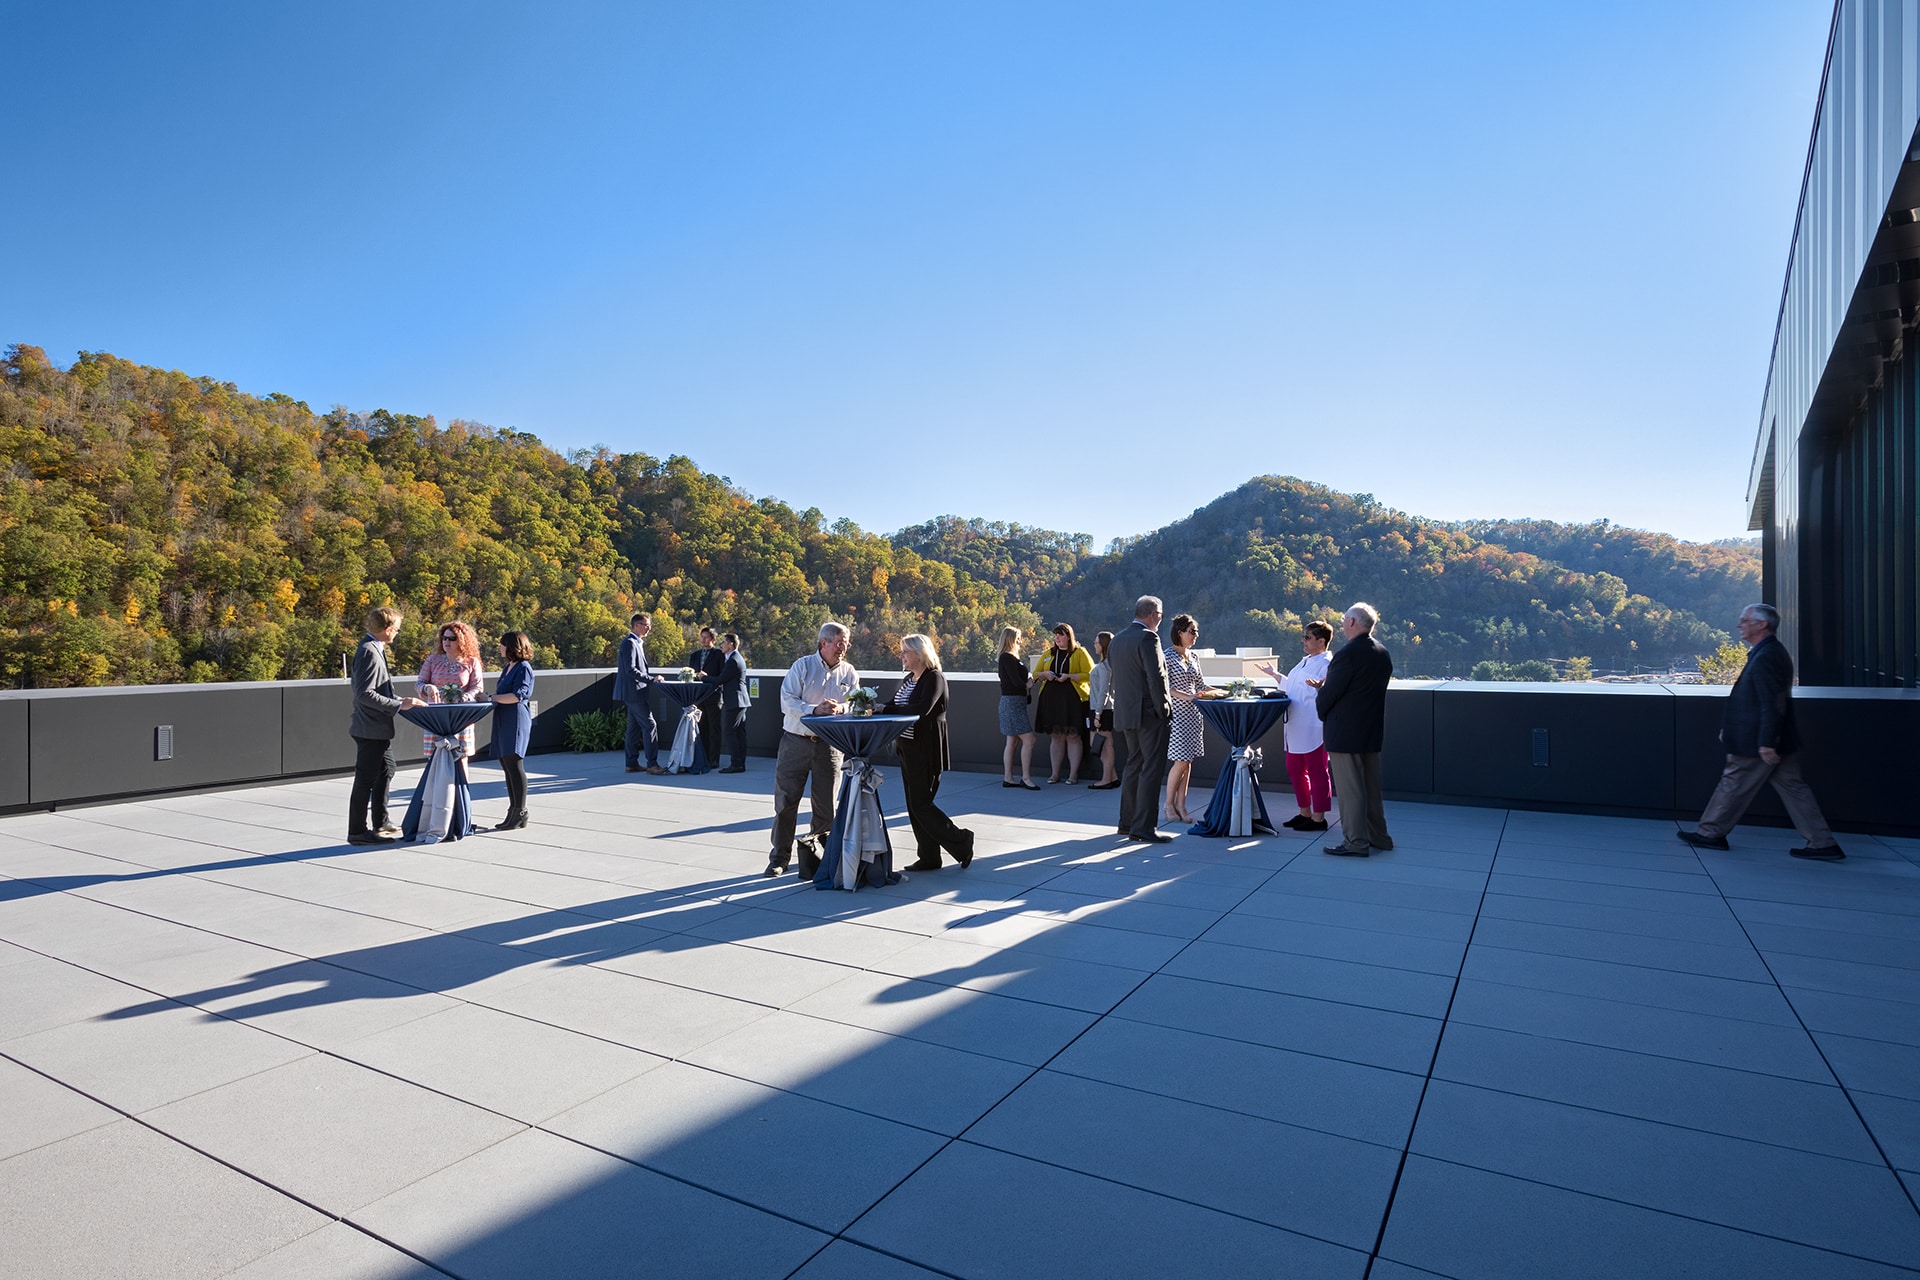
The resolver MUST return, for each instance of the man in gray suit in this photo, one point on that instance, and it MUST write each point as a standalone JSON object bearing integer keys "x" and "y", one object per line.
{"x": 1142, "y": 717}
{"x": 372, "y": 730}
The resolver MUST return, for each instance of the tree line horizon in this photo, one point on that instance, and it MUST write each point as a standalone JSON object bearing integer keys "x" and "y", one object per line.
{"x": 161, "y": 528}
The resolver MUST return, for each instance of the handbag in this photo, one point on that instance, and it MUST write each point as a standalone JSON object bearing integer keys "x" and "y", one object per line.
{"x": 1097, "y": 744}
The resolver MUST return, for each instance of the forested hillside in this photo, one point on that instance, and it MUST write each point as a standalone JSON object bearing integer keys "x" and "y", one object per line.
{"x": 157, "y": 527}
{"x": 1713, "y": 580}
{"x": 1256, "y": 562}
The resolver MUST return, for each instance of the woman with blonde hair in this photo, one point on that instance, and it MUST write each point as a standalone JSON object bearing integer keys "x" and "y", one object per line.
{"x": 1014, "y": 721}
{"x": 452, "y": 661}
{"x": 923, "y": 753}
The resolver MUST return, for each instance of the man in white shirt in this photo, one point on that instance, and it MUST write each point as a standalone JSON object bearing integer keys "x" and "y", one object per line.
{"x": 818, "y": 684}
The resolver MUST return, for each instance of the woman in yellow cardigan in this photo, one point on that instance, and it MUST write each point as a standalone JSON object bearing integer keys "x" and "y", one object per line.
{"x": 1061, "y": 670}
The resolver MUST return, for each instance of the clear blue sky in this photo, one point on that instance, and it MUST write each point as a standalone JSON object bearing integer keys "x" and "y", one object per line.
{"x": 1084, "y": 266}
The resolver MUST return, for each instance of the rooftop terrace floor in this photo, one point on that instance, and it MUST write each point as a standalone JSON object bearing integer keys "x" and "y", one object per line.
{"x": 1518, "y": 1045}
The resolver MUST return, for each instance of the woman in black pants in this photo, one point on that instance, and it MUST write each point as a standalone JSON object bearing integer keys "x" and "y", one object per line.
{"x": 513, "y": 723}
{"x": 923, "y": 753}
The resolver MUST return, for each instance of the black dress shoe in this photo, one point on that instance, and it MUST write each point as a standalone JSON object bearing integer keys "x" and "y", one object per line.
{"x": 369, "y": 837}
{"x": 924, "y": 864}
{"x": 1823, "y": 853}
{"x": 1347, "y": 851}
{"x": 1295, "y": 822}
{"x": 965, "y": 852}
{"x": 1699, "y": 841}
{"x": 1103, "y": 786}
{"x": 738, "y": 768}
{"x": 1152, "y": 837}
{"x": 776, "y": 866}
{"x": 1308, "y": 824}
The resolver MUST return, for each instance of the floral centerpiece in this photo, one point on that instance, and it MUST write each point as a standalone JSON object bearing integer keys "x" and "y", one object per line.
{"x": 862, "y": 701}
{"x": 1241, "y": 688}
{"x": 686, "y": 675}
{"x": 451, "y": 693}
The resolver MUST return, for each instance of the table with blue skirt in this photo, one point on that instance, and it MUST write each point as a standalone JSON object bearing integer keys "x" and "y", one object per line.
{"x": 441, "y": 809}
{"x": 687, "y": 756}
{"x": 857, "y": 850}
{"x": 1237, "y": 808}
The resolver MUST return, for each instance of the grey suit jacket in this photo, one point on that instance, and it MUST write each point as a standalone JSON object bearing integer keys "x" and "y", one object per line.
{"x": 373, "y": 700}
{"x": 1139, "y": 667}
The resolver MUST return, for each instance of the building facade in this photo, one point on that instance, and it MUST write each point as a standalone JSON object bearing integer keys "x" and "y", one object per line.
{"x": 1836, "y": 465}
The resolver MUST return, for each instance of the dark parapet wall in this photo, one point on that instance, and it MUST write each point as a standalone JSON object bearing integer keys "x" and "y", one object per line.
{"x": 1645, "y": 750}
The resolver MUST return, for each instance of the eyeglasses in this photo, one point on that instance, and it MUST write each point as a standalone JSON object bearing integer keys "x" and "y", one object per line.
{"x": 449, "y": 635}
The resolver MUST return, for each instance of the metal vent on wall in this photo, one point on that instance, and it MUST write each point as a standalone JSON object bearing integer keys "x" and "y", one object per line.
{"x": 163, "y": 742}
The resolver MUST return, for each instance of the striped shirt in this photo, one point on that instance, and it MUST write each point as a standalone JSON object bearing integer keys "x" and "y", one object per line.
{"x": 900, "y": 697}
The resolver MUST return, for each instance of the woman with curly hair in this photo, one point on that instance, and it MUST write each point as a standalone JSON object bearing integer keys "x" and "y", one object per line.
{"x": 453, "y": 660}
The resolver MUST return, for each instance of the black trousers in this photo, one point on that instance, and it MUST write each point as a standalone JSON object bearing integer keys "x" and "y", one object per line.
{"x": 735, "y": 725}
{"x": 516, "y": 770}
{"x": 932, "y": 828}
{"x": 1142, "y": 776}
{"x": 372, "y": 774}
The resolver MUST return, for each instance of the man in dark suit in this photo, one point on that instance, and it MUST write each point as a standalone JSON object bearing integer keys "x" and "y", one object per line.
{"x": 1353, "y": 709}
{"x": 1757, "y": 730}
{"x": 734, "y": 701}
{"x": 705, "y": 662}
{"x": 372, "y": 729}
{"x": 1142, "y": 717}
{"x": 631, "y": 686}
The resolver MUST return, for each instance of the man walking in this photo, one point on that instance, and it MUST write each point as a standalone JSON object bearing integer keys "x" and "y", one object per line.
{"x": 818, "y": 684}
{"x": 631, "y": 685}
{"x": 1142, "y": 717}
{"x": 1762, "y": 746}
{"x": 372, "y": 731}
{"x": 1353, "y": 710}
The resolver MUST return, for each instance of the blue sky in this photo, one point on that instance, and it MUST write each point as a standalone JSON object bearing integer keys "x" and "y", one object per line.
{"x": 1083, "y": 266}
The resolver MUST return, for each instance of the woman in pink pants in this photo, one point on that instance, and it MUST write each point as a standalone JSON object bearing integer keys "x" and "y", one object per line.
{"x": 1306, "y": 744}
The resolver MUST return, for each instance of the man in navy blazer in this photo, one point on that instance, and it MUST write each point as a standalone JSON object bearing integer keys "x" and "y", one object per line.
{"x": 631, "y": 687}
{"x": 1353, "y": 708}
{"x": 705, "y": 662}
{"x": 1757, "y": 730}
{"x": 734, "y": 701}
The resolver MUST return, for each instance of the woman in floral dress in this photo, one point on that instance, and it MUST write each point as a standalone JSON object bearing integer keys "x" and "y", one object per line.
{"x": 454, "y": 659}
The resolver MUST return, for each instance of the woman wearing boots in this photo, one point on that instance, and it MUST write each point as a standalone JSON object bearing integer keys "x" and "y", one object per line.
{"x": 513, "y": 723}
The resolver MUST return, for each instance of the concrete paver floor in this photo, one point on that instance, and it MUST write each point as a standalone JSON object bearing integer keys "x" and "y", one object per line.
{"x": 1519, "y": 1044}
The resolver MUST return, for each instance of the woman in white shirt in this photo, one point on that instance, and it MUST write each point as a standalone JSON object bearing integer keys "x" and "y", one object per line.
{"x": 1306, "y": 741}
{"x": 1100, "y": 707}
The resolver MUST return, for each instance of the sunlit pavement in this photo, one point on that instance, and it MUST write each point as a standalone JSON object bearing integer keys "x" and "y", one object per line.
{"x": 1517, "y": 1045}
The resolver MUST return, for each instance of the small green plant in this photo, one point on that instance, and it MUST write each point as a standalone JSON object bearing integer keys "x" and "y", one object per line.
{"x": 596, "y": 730}
{"x": 1723, "y": 665}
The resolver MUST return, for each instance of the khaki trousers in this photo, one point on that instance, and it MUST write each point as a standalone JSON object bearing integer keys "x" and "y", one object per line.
{"x": 800, "y": 761}
{"x": 1363, "y": 809}
{"x": 1741, "y": 781}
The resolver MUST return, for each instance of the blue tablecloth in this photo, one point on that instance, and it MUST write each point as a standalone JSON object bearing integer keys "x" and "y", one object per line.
{"x": 1237, "y": 808}
{"x": 687, "y": 755}
{"x": 444, "y": 720}
{"x": 858, "y": 849}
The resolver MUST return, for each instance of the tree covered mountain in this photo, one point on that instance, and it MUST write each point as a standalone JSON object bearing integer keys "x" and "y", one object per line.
{"x": 1257, "y": 562}
{"x": 158, "y": 527}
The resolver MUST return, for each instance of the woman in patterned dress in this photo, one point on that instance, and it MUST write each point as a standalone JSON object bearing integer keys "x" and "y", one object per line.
{"x": 1185, "y": 744}
{"x": 453, "y": 660}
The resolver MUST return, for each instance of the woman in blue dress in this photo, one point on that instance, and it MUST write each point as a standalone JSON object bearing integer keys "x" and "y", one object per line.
{"x": 513, "y": 723}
